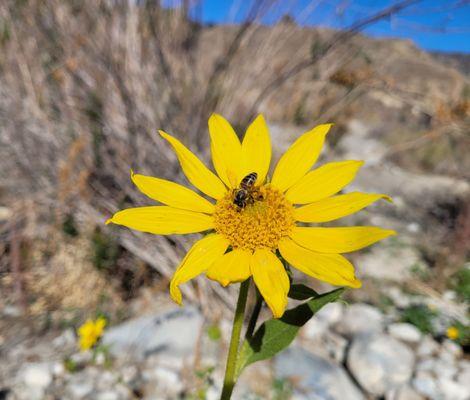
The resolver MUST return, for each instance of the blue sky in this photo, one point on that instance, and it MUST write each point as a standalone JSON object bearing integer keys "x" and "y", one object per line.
{"x": 431, "y": 24}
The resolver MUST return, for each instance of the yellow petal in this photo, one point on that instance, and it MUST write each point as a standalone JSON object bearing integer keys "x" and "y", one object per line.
{"x": 196, "y": 172}
{"x": 171, "y": 193}
{"x": 162, "y": 220}
{"x": 299, "y": 158}
{"x": 330, "y": 268}
{"x": 231, "y": 267}
{"x": 338, "y": 240}
{"x": 323, "y": 182}
{"x": 256, "y": 149}
{"x": 198, "y": 259}
{"x": 271, "y": 279}
{"x": 336, "y": 207}
{"x": 226, "y": 150}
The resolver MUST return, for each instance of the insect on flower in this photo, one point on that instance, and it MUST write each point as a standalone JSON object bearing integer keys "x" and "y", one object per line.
{"x": 251, "y": 219}
{"x": 247, "y": 193}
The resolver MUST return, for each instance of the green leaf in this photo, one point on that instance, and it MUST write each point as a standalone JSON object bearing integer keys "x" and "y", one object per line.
{"x": 301, "y": 292}
{"x": 275, "y": 335}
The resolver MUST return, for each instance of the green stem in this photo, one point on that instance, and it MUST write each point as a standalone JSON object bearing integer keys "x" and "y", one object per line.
{"x": 229, "y": 379}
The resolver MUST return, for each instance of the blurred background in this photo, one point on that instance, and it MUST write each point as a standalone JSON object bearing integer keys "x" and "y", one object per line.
{"x": 84, "y": 86}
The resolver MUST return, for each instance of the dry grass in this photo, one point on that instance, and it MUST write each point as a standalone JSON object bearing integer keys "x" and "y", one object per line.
{"x": 84, "y": 86}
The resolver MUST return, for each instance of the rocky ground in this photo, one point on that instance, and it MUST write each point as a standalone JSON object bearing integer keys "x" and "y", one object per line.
{"x": 388, "y": 340}
{"x": 346, "y": 352}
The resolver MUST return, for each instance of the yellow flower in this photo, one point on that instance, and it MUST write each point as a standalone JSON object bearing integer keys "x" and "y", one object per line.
{"x": 452, "y": 332}
{"x": 243, "y": 241}
{"x": 90, "y": 332}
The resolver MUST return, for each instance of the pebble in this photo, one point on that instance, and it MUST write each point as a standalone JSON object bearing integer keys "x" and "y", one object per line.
{"x": 427, "y": 347}
{"x": 107, "y": 395}
{"x": 318, "y": 377}
{"x": 331, "y": 313}
{"x": 65, "y": 339}
{"x": 360, "y": 319}
{"x": 380, "y": 363}
{"x": 79, "y": 389}
{"x": 58, "y": 369}
{"x": 425, "y": 384}
{"x": 405, "y": 332}
{"x": 453, "y": 390}
{"x": 37, "y": 374}
{"x": 174, "y": 332}
{"x": 405, "y": 392}
{"x": 450, "y": 347}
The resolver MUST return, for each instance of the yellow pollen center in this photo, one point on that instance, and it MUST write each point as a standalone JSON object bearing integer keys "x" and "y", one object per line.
{"x": 258, "y": 225}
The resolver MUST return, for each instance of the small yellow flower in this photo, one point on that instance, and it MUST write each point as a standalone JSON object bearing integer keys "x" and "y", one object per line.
{"x": 90, "y": 332}
{"x": 243, "y": 241}
{"x": 452, "y": 332}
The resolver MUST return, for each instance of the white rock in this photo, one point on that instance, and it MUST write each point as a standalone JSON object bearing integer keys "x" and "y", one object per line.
{"x": 331, "y": 313}
{"x": 464, "y": 365}
{"x": 403, "y": 393}
{"x": 425, "y": 384}
{"x": 36, "y": 374}
{"x": 389, "y": 263}
{"x": 380, "y": 363}
{"x": 174, "y": 332}
{"x": 83, "y": 357}
{"x": 427, "y": 347}
{"x": 315, "y": 328}
{"x": 79, "y": 388}
{"x": 58, "y": 369}
{"x": 106, "y": 380}
{"x": 318, "y": 377}
{"x": 129, "y": 373}
{"x": 399, "y": 298}
{"x": 213, "y": 393}
{"x": 426, "y": 364}
{"x": 100, "y": 359}
{"x": 445, "y": 369}
{"x": 451, "y": 347}
{"x": 464, "y": 377}
{"x": 167, "y": 378}
{"x": 452, "y": 390}
{"x": 359, "y": 319}
{"x": 107, "y": 395}
{"x": 65, "y": 339}
{"x": 405, "y": 332}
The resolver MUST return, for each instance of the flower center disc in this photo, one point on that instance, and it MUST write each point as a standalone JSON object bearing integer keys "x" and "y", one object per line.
{"x": 258, "y": 225}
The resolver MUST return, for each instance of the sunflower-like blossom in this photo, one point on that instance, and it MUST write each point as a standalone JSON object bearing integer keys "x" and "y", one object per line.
{"x": 247, "y": 240}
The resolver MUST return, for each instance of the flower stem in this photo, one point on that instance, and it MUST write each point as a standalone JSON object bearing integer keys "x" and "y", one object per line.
{"x": 229, "y": 379}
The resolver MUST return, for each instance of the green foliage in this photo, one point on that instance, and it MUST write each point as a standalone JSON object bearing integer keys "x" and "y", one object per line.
{"x": 420, "y": 271}
{"x": 385, "y": 303}
{"x": 105, "y": 250}
{"x": 213, "y": 331}
{"x": 464, "y": 333}
{"x": 205, "y": 376}
{"x": 317, "y": 49}
{"x": 299, "y": 113}
{"x": 460, "y": 283}
{"x": 71, "y": 365}
{"x": 275, "y": 335}
{"x": 5, "y": 32}
{"x": 69, "y": 226}
{"x": 281, "y": 389}
{"x": 301, "y": 292}
{"x": 420, "y": 316}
